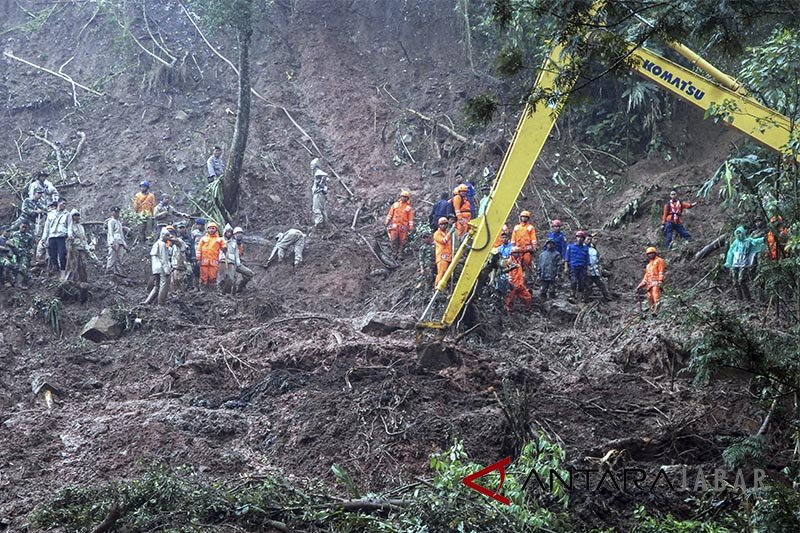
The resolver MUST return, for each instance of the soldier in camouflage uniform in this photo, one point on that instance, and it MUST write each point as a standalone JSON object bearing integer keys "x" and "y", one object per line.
{"x": 427, "y": 261}
{"x": 8, "y": 263}
{"x": 23, "y": 242}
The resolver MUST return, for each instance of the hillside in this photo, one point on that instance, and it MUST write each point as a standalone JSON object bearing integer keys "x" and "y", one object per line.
{"x": 282, "y": 379}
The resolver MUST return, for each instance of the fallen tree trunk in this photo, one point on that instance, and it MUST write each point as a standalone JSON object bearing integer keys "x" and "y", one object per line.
{"x": 717, "y": 243}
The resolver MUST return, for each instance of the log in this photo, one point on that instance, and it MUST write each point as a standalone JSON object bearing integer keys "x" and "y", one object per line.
{"x": 717, "y": 243}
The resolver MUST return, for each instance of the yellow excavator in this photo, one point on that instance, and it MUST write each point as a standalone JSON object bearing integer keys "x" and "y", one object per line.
{"x": 742, "y": 112}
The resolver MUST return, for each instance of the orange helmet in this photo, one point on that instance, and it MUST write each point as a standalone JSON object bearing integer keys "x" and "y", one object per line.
{"x": 442, "y": 220}
{"x": 651, "y": 250}
{"x": 525, "y": 214}
{"x": 462, "y": 188}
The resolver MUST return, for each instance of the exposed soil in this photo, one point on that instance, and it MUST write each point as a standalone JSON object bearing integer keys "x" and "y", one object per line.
{"x": 281, "y": 378}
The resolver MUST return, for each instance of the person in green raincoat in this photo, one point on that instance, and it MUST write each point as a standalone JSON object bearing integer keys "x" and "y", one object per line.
{"x": 740, "y": 259}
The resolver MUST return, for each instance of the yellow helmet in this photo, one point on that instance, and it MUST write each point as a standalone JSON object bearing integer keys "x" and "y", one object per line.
{"x": 406, "y": 193}
{"x": 495, "y": 251}
{"x": 442, "y": 220}
{"x": 462, "y": 188}
{"x": 525, "y": 214}
{"x": 651, "y": 250}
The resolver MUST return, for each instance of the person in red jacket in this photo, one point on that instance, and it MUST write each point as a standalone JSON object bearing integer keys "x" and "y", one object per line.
{"x": 671, "y": 219}
{"x": 400, "y": 223}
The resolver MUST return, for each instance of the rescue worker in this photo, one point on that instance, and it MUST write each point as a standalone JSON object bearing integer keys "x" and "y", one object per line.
{"x": 55, "y": 236}
{"x": 462, "y": 209}
{"x": 41, "y": 256}
{"x": 78, "y": 254}
{"x": 739, "y": 259}
{"x": 208, "y": 252}
{"x": 161, "y": 269}
{"x": 427, "y": 260}
{"x": 595, "y": 271}
{"x": 143, "y": 205}
{"x": 178, "y": 262}
{"x": 442, "y": 208}
{"x": 577, "y": 263}
{"x": 516, "y": 279}
{"x": 228, "y": 261}
{"x": 115, "y": 239}
{"x": 653, "y": 278}
{"x": 503, "y": 231}
{"x": 558, "y": 238}
{"x": 473, "y": 205}
{"x": 523, "y": 242}
{"x": 215, "y": 166}
{"x": 443, "y": 249}
{"x": 776, "y": 244}
{"x": 245, "y": 273}
{"x": 400, "y": 223}
{"x": 23, "y": 242}
{"x": 163, "y": 210}
{"x": 198, "y": 232}
{"x": 549, "y": 266}
{"x": 30, "y": 210}
{"x": 190, "y": 254}
{"x": 319, "y": 193}
{"x": 506, "y": 248}
{"x": 289, "y": 240}
{"x": 671, "y": 219}
{"x": 484, "y": 203}
{"x": 49, "y": 192}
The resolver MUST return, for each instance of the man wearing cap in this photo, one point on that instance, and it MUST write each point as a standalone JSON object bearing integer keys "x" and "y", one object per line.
{"x": 209, "y": 249}
{"x": 524, "y": 242}
{"x": 462, "y": 209}
{"x": 443, "y": 248}
{"x": 30, "y": 210}
{"x": 55, "y": 236}
{"x": 577, "y": 263}
{"x": 197, "y": 233}
{"x": 115, "y": 239}
{"x": 319, "y": 193}
{"x": 228, "y": 261}
{"x": 671, "y": 220}
{"x": 549, "y": 266}
{"x": 215, "y": 166}
{"x": 653, "y": 278}
{"x": 245, "y": 273}
{"x": 49, "y": 192}
{"x": 143, "y": 204}
{"x": 558, "y": 237}
{"x": 400, "y": 223}
{"x": 163, "y": 210}
{"x": 78, "y": 253}
{"x": 292, "y": 239}
{"x": 161, "y": 268}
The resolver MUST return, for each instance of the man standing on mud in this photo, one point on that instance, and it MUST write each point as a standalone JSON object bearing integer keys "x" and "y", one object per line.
{"x": 319, "y": 192}
{"x": 115, "y": 238}
{"x": 215, "y": 166}
{"x": 671, "y": 219}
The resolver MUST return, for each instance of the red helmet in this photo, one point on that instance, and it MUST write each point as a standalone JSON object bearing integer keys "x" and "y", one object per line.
{"x": 556, "y": 223}
{"x": 580, "y": 233}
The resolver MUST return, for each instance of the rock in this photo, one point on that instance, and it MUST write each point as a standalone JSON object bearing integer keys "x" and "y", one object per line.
{"x": 180, "y": 167}
{"x": 380, "y": 324}
{"x": 561, "y": 310}
{"x": 103, "y": 328}
{"x": 181, "y": 115}
{"x": 436, "y": 356}
{"x": 437, "y": 172}
{"x": 275, "y": 198}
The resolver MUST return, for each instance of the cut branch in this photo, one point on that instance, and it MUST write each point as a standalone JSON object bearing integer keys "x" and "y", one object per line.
{"x": 56, "y": 74}
{"x": 448, "y": 129}
{"x": 57, "y": 151}
{"x": 77, "y": 149}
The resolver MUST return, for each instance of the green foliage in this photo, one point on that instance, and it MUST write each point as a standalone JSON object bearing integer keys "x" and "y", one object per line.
{"x": 50, "y": 309}
{"x": 481, "y": 109}
{"x": 670, "y": 524}
{"x": 770, "y": 68}
{"x": 777, "y": 510}
{"x": 749, "y": 451}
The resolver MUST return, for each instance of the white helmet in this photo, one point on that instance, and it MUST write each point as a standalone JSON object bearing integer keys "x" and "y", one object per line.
{"x": 315, "y": 163}
{"x": 75, "y": 212}
{"x": 278, "y": 236}
{"x": 238, "y": 230}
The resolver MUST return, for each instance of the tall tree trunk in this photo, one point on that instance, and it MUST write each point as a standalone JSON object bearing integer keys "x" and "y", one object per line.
{"x": 230, "y": 182}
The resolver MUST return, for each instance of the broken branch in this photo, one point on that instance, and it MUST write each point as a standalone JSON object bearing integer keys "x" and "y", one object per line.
{"x": 77, "y": 149}
{"x": 55, "y": 149}
{"x": 56, "y": 74}
{"x": 449, "y": 130}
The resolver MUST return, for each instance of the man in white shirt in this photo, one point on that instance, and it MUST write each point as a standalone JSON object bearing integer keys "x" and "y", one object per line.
{"x": 115, "y": 238}
{"x": 55, "y": 236}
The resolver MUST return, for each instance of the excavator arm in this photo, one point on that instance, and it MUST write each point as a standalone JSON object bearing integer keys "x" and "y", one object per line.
{"x": 741, "y": 112}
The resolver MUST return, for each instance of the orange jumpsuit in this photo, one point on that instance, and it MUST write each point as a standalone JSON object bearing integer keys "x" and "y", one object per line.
{"x": 652, "y": 280}
{"x": 444, "y": 253}
{"x": 144, "y": 203}
{"x": 208, "y": 250}
{"x": 463, "y": 212}
{"x": 400, "y": 222}
{"x": 516, "y": 278}
{"x": 523, "y": 244}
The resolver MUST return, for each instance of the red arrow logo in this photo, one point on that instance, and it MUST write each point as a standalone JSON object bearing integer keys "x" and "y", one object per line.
{"x": 469, "y": 481}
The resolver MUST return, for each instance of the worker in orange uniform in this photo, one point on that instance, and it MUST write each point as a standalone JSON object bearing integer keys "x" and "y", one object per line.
{"x": 523, "y": 241}
{"x": 671, "y": 219}
{"x": 400, "y": 222}
{"x": 143, "y": 204}
{"x": 653, "y": 278}
{"x": 499, "y": 240}
{"x": 462, "y": 208}
{"x": 776, "y": 244}
{"x": 443, "y": 249}
{"x": 208, "y": 253}
{"x": 516, "y": 278}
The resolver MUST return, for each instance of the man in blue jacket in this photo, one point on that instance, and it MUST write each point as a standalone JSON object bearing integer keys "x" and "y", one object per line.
{"x": 577, "y": 263}
{"x": 442, "y": 208}
{"x": 558, "y": 238}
